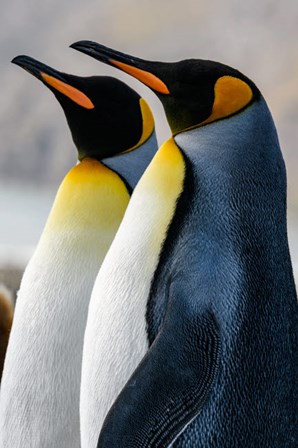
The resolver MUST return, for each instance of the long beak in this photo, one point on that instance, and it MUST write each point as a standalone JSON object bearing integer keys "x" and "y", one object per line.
{"x": 36, "y": 68}
{"x": 138, "y": 68}
{"x": 53, "y": 79}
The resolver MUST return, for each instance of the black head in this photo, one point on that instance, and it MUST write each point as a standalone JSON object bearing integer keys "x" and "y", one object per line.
{"x": 193, "y": 92}
{"x": 105, "y": 116}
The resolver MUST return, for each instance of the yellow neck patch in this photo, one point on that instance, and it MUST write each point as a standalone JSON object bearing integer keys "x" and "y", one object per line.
{"x": 165, "y": 173}
{"x": 231, "y": 95}
{"x": 145, "y": 77}
{"x": 148, "y": 124}
{"x": 71, "y": 92}
{"x": 91, "y": 198}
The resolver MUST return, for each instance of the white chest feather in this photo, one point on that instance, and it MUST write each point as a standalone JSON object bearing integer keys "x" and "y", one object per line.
{"x": 39, "y": 402}
{"x": 115, "y": 338}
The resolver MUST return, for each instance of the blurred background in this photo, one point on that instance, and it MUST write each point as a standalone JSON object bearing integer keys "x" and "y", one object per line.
{"x": 258, "y": 38}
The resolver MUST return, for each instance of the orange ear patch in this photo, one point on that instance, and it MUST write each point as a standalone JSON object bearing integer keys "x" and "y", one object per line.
{"x": 231, "y": 95}
{"x": 145, "y": 77}
{"x": 71, "y": 92}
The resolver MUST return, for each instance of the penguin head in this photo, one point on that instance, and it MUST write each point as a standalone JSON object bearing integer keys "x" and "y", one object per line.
{"x": 194, "y": 92}
{"x": 105, "y": 116}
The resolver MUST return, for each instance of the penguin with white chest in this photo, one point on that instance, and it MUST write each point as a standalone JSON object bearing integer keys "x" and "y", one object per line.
{"x": 219, "y": 312}
{"x": 113, "y": 130}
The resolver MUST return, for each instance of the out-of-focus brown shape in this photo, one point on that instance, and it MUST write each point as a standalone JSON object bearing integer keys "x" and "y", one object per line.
{"x": 6, "y": 316}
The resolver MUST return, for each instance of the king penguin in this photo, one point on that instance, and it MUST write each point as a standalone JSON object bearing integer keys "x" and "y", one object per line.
{"x": 211, "y": 331}
{"x": 113, "y": 130}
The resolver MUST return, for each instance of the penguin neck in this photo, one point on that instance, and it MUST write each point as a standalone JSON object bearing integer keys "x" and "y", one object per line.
{"x": 131, "y": 165}
{"x": 90, "y": 202}
{"x": 237, "y": 176}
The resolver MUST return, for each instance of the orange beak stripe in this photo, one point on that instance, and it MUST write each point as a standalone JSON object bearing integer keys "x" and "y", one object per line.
{"x": 71, "y": 92}
{"x": 142, "y": 75}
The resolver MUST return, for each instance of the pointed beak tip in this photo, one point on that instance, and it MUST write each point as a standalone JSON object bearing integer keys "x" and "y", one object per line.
{"x": 90, "y": 49}
{"x": 17, "y": 59}
{"x": 81, "y": 44}
{"x": 74, "y": 45}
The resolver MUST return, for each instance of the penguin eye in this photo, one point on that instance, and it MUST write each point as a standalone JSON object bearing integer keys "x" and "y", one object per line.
{"x": 71, "y": 92}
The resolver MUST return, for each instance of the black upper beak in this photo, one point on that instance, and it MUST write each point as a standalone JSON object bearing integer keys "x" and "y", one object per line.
{"x": 36, "y": 68}
{"x": 105, "y": 54}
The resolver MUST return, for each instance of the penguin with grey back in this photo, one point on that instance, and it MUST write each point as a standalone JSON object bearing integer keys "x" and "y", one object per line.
{"x": 222, "y": 313}
{"x": 112, "y": 127}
